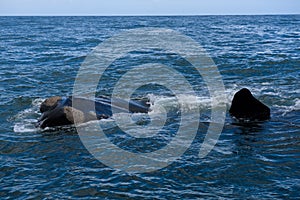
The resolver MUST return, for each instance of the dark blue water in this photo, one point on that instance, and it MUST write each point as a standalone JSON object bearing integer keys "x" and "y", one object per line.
{"x": 40, "y": 57}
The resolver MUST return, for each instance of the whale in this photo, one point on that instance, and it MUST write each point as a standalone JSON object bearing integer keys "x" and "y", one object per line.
{"x": 245, "y": 107}
{"x": 60, "y": 111}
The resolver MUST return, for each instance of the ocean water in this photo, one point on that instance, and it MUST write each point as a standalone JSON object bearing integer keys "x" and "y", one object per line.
{"x": 40, "y": 57}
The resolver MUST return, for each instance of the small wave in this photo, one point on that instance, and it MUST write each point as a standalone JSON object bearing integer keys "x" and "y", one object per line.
{"x": 287, "y": 109}
{"x": 25, "y": 126}
{"x": 25, "y": 120}
{"x": 187, "y": 102}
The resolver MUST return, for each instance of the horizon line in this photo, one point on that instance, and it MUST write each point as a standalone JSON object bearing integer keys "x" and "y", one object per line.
{"x": 140, "y": 15}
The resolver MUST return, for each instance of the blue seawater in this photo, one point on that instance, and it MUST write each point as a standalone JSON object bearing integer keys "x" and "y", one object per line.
{"x": 40, "y": 57}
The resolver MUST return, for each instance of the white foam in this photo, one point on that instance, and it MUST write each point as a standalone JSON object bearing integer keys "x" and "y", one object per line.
{"x": 287, "y": 109}
{"x": 24, "y": 127}
{"x": 25, "y": 120}
{"x": 187, "y": 103}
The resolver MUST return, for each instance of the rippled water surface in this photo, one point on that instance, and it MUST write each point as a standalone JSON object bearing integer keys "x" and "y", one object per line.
{"x": 40, "y": 57}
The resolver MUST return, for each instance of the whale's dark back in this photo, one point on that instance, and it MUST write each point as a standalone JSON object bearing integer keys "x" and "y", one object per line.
{"x": 245, "y": 106}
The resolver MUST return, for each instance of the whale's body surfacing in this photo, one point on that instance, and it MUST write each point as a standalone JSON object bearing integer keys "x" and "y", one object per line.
{"x": 245, "y": 106}
{"x": 59, "y": 111}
